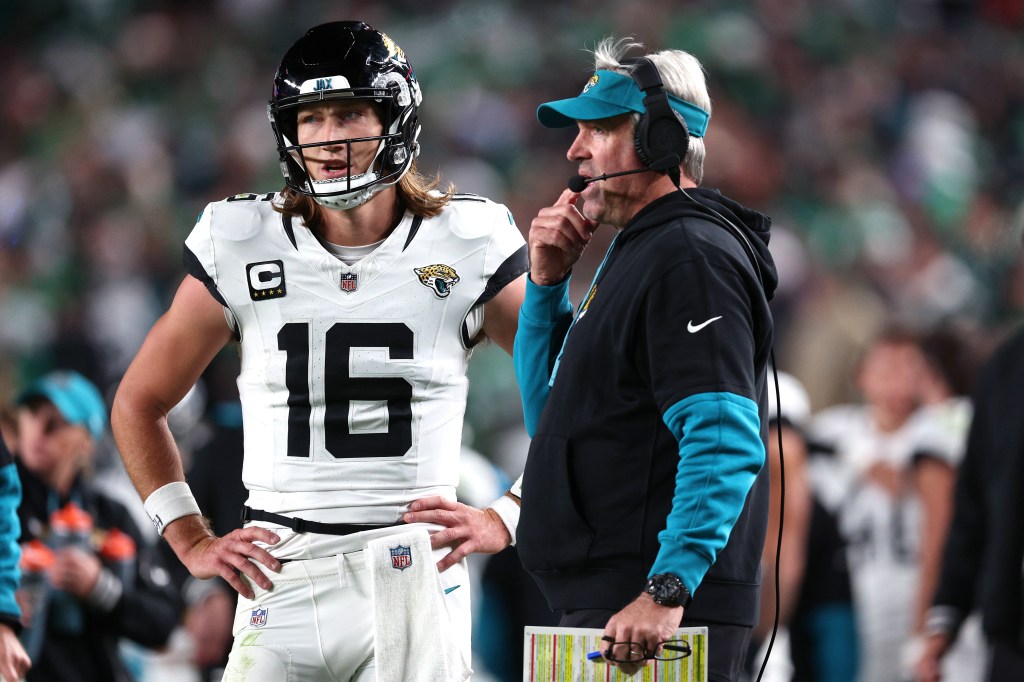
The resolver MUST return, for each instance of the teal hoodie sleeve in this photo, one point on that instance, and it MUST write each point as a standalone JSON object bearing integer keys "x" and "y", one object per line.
{"x": 10, "y": 530}
{"x": 720, "y": 454}
{"x": 544, "y": 320}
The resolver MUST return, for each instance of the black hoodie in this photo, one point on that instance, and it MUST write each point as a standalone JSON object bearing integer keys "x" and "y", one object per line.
{"x": 678, "y": 315}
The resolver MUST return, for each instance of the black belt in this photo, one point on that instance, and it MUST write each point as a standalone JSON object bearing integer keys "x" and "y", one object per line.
{"x": 304, "y": 526}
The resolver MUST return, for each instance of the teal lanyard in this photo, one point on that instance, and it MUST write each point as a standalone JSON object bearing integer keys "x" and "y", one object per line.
{"x": 583, "y": 308}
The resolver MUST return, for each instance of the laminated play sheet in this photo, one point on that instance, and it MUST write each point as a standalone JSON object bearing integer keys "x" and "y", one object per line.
{"x": 573, "y": 655}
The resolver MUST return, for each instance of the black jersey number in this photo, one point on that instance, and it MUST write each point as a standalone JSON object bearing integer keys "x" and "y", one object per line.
{"x": 341, "y": 388}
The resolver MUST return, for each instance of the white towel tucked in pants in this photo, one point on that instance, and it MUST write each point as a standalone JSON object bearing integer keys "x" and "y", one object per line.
{"x": 415, "y": 640}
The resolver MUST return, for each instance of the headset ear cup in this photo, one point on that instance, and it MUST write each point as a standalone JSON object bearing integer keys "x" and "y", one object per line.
{"x": 660, "y": 136}
{"x": 640, "y": 141}
{"x": 668, "y": 136}
{"x": 656, "y": 139}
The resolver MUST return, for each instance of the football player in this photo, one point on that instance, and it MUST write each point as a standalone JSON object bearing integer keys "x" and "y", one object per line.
{"x": 356, "y": 296}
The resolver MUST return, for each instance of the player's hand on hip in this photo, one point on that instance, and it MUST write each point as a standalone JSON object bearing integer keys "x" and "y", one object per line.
{"x": 230, "y": 557}
{"x": 558, "y": 236}
{"x": 467, "y": 529}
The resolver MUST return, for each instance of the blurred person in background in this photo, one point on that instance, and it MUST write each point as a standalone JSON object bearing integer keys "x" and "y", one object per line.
{"x": 95, "y": 600}
{"x": 14, "y": 662}
{"x": 983, "y": 559}
{"x": 357, "y": 295}
{"x": 940, "y": 427}
{"x": 887, "y": 494}
{"x": 816, "y": 618}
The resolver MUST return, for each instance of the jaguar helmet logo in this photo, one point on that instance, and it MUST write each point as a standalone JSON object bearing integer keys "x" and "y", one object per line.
{"x": 440, "y": 278}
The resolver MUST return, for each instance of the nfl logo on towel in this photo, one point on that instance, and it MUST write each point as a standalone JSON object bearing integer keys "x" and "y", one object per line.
{"x": 258, "y": 618}
{"x": 349, "y": 280}
{"x": 401, "y": 557}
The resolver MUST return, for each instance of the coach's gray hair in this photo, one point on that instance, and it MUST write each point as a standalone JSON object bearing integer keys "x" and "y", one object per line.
{"x": 681, "y": 74}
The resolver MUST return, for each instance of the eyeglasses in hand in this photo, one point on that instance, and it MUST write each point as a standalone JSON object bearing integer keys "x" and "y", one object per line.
{"x": 633, "y": 652}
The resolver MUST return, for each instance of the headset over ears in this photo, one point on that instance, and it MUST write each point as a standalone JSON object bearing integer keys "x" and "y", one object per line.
{"x": 661, "y": 137}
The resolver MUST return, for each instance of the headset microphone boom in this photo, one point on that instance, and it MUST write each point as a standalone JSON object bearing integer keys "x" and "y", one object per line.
{"x": 578, "y": 183}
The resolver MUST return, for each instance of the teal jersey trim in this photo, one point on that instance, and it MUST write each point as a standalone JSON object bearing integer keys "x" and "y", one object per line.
{"x": 543, "y": 317}
{"x": 720, "y": 455}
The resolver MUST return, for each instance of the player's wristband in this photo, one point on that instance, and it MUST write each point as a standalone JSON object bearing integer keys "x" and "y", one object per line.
{"x": 942, "y": 620}
{"x": 169, "y": 503}
{"x": 508, "y": 511}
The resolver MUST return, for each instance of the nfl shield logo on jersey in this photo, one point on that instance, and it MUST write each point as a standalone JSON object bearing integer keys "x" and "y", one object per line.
{"x": 349, "y": 281}
{"x": 258, "y": 618}
{"x": 401, "y": 557}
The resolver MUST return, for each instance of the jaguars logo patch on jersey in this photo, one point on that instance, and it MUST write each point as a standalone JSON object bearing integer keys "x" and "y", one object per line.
{"x": 440, "y": 278}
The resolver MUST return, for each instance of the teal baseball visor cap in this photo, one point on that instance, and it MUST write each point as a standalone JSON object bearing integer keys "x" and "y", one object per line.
{"x": 75, "y": 397}
{"x": 608, "y": 94}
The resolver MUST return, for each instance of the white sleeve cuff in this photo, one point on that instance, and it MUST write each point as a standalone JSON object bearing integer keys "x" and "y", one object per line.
{"x": 169, "y": 503}
{"x": 517, "y": 487}
{"x": 507, "y": 509}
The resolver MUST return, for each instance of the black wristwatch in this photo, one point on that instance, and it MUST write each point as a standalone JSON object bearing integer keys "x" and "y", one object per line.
{"x": 668, "y": 590}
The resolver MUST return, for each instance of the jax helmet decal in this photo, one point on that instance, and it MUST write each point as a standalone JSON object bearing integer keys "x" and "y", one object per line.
{"x": 352, "y": 61}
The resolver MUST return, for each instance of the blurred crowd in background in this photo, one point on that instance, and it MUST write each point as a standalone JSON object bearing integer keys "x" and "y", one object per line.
{"x": 885, "y": 138}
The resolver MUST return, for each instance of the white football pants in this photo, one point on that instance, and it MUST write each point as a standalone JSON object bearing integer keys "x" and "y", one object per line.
{"x": 317, "y": 622}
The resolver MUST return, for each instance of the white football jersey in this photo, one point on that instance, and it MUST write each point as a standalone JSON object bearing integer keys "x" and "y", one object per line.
{"x": 940, "y": 430}
{"x": 878, "y": 528}
{"x": 882, "y": 531}
{"x": 353, "y": 378}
